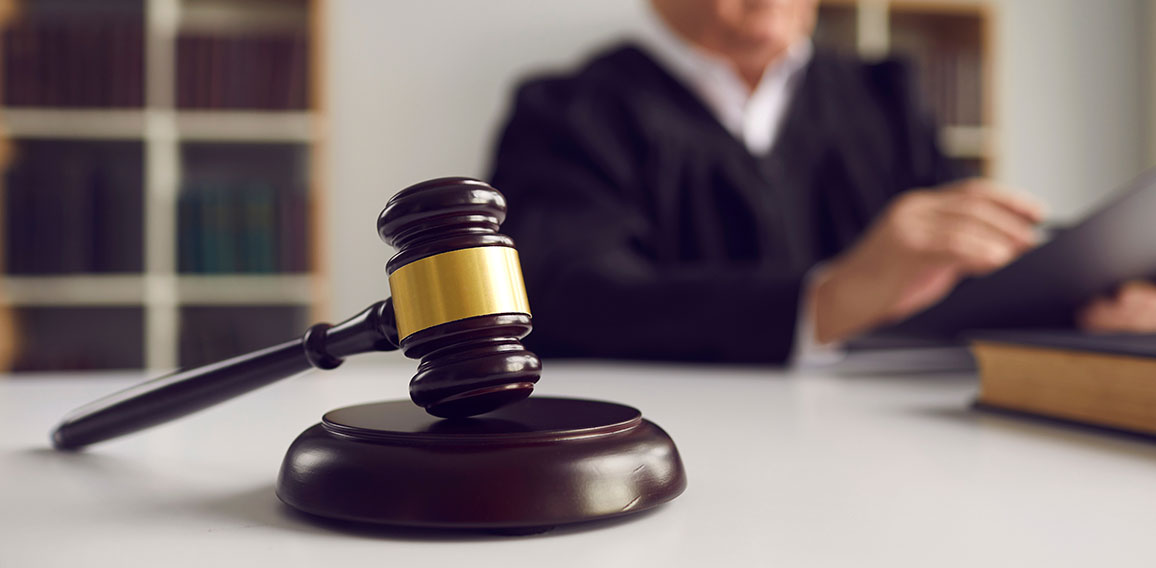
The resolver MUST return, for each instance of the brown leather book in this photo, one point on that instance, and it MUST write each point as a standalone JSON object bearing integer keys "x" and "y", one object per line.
{"x": 1101, "y": 380}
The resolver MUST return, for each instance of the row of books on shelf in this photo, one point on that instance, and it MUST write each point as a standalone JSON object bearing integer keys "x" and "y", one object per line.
{"x": 213, "y": 333}
{"x": 73, "y": 207}
{"x": 78, "y": 338}
{"x": 267, "y": 71}
{"x": 74, "y": 63}
{"x": 82, "y": 221}
{"x": 101, "y": 64}
{"x": 951, "y": 81}
{"x": 247, "y": 227}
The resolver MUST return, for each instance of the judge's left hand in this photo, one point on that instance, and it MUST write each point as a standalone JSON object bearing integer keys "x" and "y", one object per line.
{"x": 1131, "y": 309}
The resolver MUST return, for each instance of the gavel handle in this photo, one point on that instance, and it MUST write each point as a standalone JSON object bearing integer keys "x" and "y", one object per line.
{"x": 184, "y": 392}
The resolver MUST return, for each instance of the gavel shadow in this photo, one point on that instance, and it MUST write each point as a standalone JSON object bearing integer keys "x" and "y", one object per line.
{"x": 259, "y": 506}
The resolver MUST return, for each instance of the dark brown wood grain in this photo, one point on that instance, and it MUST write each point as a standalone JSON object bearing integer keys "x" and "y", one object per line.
{"x": 533, "y": 465}
{"x": 468, "y": 366}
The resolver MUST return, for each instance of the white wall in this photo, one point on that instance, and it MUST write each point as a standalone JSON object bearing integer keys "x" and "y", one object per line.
{"x": 417, "y": 90}
{"x": 1071, "y": 98}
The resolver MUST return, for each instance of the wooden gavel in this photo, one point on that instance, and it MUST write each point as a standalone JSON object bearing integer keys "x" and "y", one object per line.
{"x": 458, "y": 304}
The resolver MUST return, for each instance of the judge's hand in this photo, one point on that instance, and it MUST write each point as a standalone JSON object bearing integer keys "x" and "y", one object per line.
{"x": 917, "y": 250}
{"x": 1131, "y": 309}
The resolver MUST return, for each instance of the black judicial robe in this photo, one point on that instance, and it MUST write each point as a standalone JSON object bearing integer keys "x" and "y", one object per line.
{"x": 646, "y": 230}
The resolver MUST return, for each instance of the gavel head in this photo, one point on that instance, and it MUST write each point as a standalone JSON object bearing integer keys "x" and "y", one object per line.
{"x": 458, "y": 297}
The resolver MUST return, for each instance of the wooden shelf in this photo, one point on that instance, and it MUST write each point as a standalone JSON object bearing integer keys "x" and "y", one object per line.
{"x": 130, "y": 289}
{"x": 966, "y": 141}
{"x": 74, "y": 290}
{"x": 953, "y": 7}
{"x": 243, "y": 16}
{"x": 960, "y": 90}
{"x": 158, "y": 291}
{"x": 22, "y": 122}
{"x": 246, "y": 126}
{"x": 244, "y": 289}
{"x": 199, "y": 125}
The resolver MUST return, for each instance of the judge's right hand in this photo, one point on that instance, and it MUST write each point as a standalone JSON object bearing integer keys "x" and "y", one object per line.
{"x": 918, "y": 249}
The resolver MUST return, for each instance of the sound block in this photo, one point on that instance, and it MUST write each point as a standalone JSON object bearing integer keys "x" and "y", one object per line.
{"x": 529, "y": 466}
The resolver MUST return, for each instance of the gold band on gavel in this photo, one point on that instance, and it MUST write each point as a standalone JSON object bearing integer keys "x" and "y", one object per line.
{"x": 456, "y": 285}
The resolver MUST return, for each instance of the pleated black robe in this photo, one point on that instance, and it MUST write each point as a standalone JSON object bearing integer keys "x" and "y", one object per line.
{"x": 646, "y": 230}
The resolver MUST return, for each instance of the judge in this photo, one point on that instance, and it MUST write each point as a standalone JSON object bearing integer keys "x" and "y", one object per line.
{"x": 724, "y": 191}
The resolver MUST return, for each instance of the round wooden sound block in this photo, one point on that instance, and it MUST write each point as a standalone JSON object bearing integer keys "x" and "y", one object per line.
{"x": 532, "y": 465}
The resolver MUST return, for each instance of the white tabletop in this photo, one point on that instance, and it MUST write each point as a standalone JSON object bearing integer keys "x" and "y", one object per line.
{"x": 795, "y": 469}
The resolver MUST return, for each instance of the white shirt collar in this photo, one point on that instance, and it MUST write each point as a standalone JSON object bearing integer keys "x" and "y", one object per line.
{"x": 754, "y": 118}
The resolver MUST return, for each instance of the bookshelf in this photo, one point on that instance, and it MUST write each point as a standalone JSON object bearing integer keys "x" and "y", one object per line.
{"x": 949, "y": 42}
{"x": 197, "y": 175}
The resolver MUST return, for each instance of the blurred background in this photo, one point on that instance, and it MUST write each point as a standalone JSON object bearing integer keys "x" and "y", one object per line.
{"x": 185, "y": 180}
